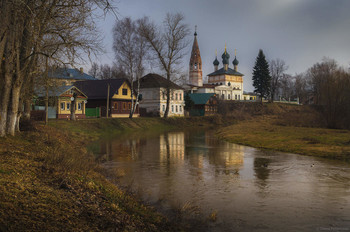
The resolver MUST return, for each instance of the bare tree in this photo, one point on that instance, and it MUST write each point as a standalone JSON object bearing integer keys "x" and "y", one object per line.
{"x": 168, "y": 45}
{"x": 331, "y": 85}
{"x": 130, "y": 50}
{"x": 94, "y": 70}
{"x": 61, "y": 30}
{"x": 277, "y": 69}
{"x": 286, "y": 86}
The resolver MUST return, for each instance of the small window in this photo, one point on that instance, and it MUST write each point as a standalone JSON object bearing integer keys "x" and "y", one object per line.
{"x": 229, "y": 96}
{"x": 239, "y": 97}
{"x": 235, "y": 96}
{"x": 63, "y": 106}
{"x": 68, "y": 106}
{"x": 175, "y": 96}
{"x": 180, "y": 108}
{"x": 79, "y": 106}
{"x": 172, "y": 109}
{"x": 176, "y": 109}
{"x": 115, "y": 105}
{"x": 124, "y": 105}
{"x": 125, "y": 91}
{"x": 180, "y": 96}
{"x": 163, "y": 108}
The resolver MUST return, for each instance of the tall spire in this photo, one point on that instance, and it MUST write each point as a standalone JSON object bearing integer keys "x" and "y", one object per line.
{"x": 195, "y": 74}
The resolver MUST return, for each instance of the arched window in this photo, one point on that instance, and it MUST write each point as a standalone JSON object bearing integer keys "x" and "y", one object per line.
{"x": 195, "y": 66}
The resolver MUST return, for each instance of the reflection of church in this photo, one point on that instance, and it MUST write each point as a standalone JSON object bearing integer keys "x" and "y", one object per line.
{"x": 227, "y": 83}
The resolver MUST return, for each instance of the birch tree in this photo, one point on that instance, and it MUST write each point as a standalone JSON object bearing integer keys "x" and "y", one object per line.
{"x": 130, "y": 50}
{"x": 168, "y": 45}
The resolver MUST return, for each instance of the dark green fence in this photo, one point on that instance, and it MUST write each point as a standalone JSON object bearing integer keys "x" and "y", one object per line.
{"x": 92, "y": 112}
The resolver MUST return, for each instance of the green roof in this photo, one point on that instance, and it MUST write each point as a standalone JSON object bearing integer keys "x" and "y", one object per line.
{"x": 201, "y": 98}
{"x": 229, "y": 71}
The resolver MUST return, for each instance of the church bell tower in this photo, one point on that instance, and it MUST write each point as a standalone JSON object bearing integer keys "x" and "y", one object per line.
{"x": 196, "y": 76}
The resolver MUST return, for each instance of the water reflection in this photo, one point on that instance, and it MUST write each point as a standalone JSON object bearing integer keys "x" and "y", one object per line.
{"x": 251, "y": 190}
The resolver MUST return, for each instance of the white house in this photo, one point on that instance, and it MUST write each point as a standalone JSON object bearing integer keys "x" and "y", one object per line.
{"x": 154, "y": 96}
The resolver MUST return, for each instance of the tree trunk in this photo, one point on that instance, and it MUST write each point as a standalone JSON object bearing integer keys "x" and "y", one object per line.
{"x": 166, "y": 113}
{"x": 72, "y": 109}
{"x": 47, "y": 105}
{"x": 27, "y": 109}
{"x": 6, "y": 91}
{"x": 13, "y": 113}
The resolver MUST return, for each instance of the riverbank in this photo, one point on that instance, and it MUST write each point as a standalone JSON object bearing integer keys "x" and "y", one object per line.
{"x": 49, "y": 181}
{"x": 293, "y": 129}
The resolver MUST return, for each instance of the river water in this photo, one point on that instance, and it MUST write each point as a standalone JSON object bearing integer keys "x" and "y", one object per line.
{"x": 232, "y": 187}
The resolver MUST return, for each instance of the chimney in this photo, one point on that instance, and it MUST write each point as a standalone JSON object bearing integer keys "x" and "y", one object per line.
{"x": 81, "y": 70}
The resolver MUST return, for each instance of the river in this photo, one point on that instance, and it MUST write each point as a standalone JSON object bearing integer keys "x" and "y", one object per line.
{"x": 231, "y": 187}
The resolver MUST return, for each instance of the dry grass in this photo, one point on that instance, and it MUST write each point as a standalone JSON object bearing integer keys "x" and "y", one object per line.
{"x": 267, "y": 132}
{"x": 48, "y": 182}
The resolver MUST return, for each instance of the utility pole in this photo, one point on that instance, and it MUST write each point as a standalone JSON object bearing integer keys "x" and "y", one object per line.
{"x": 107, "y": 100}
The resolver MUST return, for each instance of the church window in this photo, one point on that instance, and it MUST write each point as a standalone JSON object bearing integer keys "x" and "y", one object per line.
{"x": 195, "y": 66}
{"x": 62, "y": 105}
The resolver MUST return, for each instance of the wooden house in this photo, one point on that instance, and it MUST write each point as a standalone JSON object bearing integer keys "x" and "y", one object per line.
{"x": 205, "y": 104}
{"x": 110, "y": 95}
{"x": 60, "y": 101}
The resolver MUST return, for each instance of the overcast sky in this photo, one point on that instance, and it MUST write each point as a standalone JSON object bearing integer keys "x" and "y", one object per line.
{"x": 301, "y": 32}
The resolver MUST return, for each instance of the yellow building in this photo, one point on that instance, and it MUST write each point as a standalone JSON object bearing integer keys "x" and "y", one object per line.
{"x": 61, "y": 100}
{"x": 117, "y": 91}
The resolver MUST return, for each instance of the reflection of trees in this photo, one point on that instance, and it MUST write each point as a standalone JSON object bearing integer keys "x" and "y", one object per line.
{"x": 261, "y": 168}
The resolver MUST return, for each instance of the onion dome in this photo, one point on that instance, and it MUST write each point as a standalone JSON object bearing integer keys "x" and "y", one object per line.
{"x": 225, "y": 57}
{"x": 216, "y": 62}
{"x": 235, "y": 61}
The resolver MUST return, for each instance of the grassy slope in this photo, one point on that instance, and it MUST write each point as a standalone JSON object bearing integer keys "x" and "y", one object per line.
{"x": 48, "y": 181}
{"x": 284, "y": 128}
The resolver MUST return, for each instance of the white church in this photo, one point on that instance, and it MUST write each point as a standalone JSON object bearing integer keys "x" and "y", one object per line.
{"x": 227, "y": 83}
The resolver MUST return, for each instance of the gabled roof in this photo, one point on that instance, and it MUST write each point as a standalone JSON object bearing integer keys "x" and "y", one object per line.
{"x": 201, "y": 98}
{"x": 222, "y": 71}
{"x": 56, "y": 91}
{"x": 153, "y": 80}
{"x": 69, "y": 73}
{"x": 98, "y": 89}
